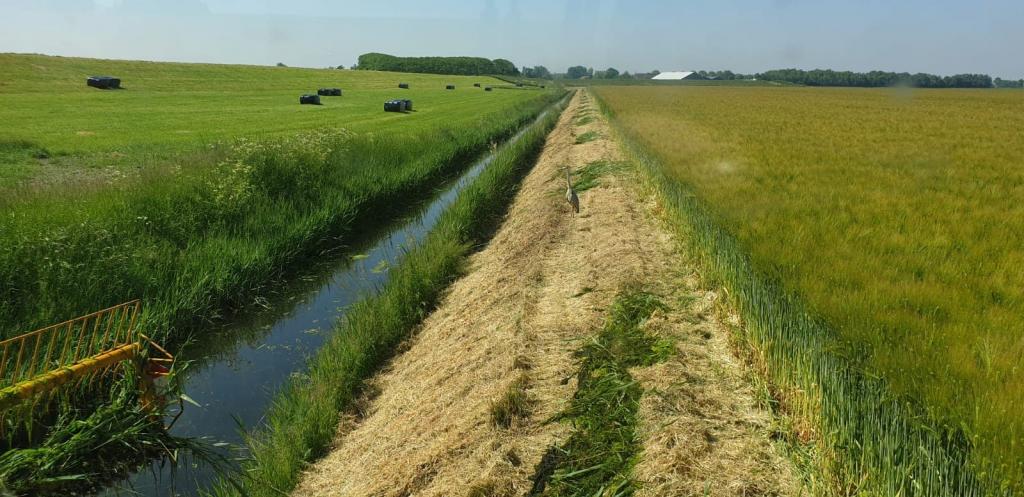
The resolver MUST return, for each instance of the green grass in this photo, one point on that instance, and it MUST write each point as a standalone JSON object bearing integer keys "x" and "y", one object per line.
{"x": 585, "y": 119}
{"x": 168, "y": 108}
{"x": 590, "y": 175}
{"x": 865, "y": 236}
{"x": 599, "y": 455}
{"x": 93, "y": 443}
{"x": 587, "y": 137}
{"x": 513, "y": 406}
{"x": 207, "y": 236}
{"x": 303, "y": 419}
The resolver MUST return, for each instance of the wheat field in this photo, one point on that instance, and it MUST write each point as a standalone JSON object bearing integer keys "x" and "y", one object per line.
{"x": 895, "y": 216}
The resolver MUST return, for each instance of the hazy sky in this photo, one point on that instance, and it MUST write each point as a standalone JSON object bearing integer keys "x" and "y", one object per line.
{"x": 937, "y": 36}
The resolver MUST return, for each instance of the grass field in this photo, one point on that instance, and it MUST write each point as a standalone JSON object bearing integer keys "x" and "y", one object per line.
{"x": 167, "y": 109}
{"x": 198, "y": 185}
{"x": 895, "y": 219}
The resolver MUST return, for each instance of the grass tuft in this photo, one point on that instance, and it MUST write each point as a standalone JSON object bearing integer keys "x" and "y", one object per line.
{"x": 585, "y": 119}
{"x": 589, "y": 136}
{"x": 589, "y": 175}
{"x": 513, "y": 406}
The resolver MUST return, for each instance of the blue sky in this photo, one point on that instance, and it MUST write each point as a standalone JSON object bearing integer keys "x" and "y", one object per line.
{"x": 939, "y": 36}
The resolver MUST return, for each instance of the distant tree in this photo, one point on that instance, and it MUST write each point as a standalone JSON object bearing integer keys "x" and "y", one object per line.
{"x": 1008, "y": 83}
{"x": 626, "y": 75}
{"x": 538, "y": 72}
{"x": 437, "y": 65}
{"x": 576, "y": 72}
{"x": 611, "y": 73}
{"x": 505, "y": 67}
{"x": 281, "y": 64}
{"x": 828, "y": 77}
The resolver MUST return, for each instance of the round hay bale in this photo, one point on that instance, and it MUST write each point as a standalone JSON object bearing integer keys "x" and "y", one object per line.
{"x": 103, "y": 82}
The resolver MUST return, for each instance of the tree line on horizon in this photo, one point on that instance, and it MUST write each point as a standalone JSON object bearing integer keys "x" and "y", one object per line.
{"x": 874, "y": 79}
{"x": 820, "y": 77}
{"x": 478, "y": 66}
{"x": 465, "y": 66}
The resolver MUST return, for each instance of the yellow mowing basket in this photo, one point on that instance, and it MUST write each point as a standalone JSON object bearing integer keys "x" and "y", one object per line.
{"x": 77, "y": 350}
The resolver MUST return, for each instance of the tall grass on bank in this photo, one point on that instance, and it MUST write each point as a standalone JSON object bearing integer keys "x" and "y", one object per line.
{"x": 302, "y": 421}
{"x": 869, "y": 441}
{"x": 196, "y": 242}
{"x": 93, "y": 442}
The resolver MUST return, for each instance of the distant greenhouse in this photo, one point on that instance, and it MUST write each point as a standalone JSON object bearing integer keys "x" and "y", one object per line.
{"x": 677, "y": 75}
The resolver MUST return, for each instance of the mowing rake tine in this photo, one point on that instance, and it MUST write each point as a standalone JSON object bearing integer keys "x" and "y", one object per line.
{"x": 92, "y": 336}
{"x": 3, "y": 362}
{"x": 120, "y": 326}
{"x": 81, "y": 338}
{"x": 49, "y": 348}
{"x": 67, "y": 343}
{"x": 35, "y": 356}
{"x": 17, "y": 363}
{"x": 131, "y": 327}
{"x": 110, "y": 324}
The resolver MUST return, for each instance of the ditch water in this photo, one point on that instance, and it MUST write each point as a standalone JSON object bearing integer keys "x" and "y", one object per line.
{"x": 237, "y": 368}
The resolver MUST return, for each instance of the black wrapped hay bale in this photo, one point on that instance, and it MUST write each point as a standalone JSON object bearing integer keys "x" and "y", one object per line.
{"x": 476, "y": 85}
{"x": 103, "y": 82}
{"x": 449, "y": 87}
{"x": 519, "y": 85}
{"x": 309, "y": 100}
{"x": 488, "y": 88}
{"x": 403, "y": 85}
{"x": 408, "y": 104}
{"x": 329, "y": 92}
{"x": 394, "y": 106}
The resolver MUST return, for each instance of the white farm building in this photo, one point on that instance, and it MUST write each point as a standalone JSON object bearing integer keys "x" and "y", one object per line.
{"x": 677, "y": 75}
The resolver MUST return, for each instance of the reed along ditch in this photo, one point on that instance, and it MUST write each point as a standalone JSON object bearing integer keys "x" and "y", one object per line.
{"x": 237, "y": 370}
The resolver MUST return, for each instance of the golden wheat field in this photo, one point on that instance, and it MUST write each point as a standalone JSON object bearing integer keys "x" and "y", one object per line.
{"x": 896, "y": 215}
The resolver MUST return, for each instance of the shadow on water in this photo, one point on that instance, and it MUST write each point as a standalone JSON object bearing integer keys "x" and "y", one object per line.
{"x": 236, "y": 368}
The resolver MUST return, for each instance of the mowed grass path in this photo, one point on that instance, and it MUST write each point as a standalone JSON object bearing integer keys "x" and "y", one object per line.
{"x": 167, "y": 108}
{"x": 896, "y": 215}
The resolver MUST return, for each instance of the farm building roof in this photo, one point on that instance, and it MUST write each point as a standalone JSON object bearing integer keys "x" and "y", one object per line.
{"x": 674, "y": 75}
